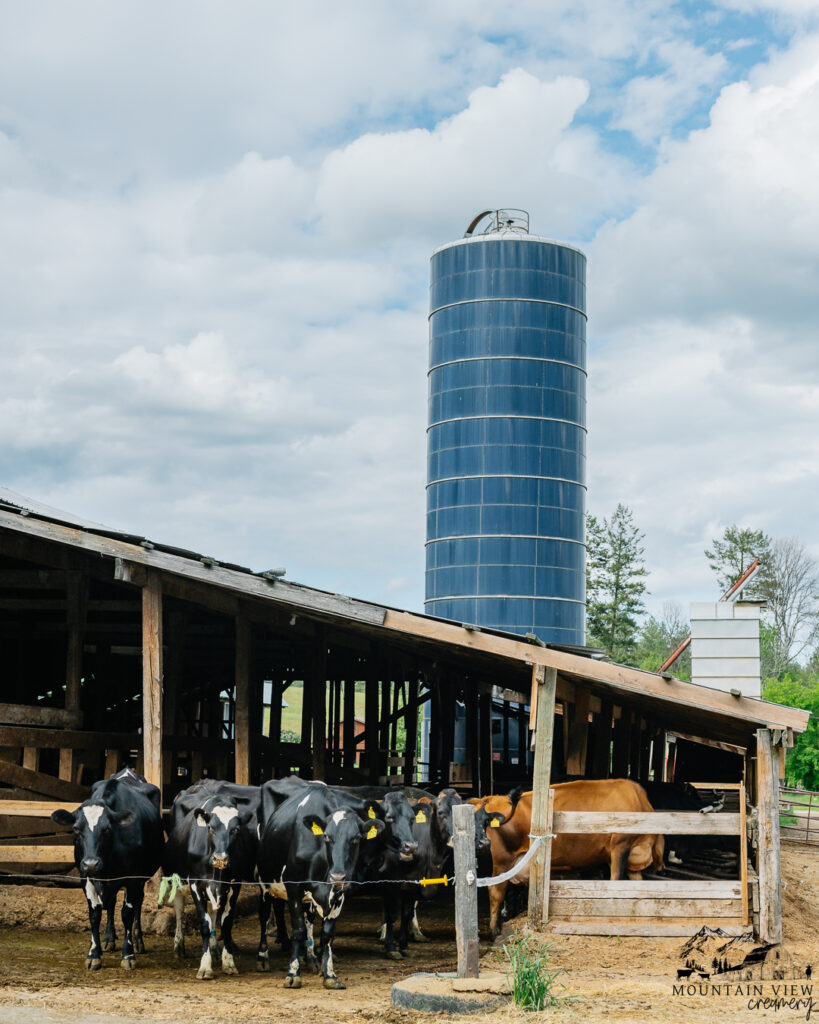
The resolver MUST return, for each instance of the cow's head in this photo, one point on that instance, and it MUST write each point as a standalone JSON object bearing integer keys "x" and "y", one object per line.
{"x": 342, "y": 833}
{"x": 485, "y": 820}
{"x": 444, "y": 803}
{"x": 224, "y": 823}
{"x": 94, "y": 824}
{"x": 399, "y": 817}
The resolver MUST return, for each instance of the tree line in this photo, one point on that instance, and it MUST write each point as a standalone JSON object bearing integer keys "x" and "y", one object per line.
{"x": 788, "y": 583}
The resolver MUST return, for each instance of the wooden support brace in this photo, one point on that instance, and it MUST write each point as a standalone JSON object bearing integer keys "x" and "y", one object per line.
{"x": 466, "y": 891}
{"x": 768, "y": 864}
{"x": 241, "y": 745}
{"x": 152, "y": 678}
{"x": 546, "y": 680}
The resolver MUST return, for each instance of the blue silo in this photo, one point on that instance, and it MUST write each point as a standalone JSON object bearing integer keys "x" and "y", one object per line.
{"x": 507, "y": 432}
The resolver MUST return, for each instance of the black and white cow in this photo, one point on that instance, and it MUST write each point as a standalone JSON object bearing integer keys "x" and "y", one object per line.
{"x": 117, "y": 844}
{"x": 681, "y": 796}
{"x": 309, "y": 849}
{"x": 212, "y": 846}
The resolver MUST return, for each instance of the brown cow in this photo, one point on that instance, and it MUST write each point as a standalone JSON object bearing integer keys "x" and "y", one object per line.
{"x": 625, "y": 855}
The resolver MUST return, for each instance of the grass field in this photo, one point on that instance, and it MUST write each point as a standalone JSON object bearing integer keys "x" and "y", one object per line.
{"x": 291, "y": 715}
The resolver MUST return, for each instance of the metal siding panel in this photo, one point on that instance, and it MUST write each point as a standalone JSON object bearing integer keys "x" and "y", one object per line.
{"x": 735, "y": 629}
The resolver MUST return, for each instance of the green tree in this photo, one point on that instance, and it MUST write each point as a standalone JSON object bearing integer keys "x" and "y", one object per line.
{"x": 730, "y": 555}
{"x": 799, "y": 690}
{"x": 615, "y": 582}
{"x": 659, "y": 637}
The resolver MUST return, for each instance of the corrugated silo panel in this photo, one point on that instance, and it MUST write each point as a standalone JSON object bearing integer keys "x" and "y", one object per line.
{"x": 507, "y": 436}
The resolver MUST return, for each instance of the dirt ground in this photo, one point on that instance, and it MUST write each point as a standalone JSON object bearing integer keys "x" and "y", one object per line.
{"x": 611, "y": 979}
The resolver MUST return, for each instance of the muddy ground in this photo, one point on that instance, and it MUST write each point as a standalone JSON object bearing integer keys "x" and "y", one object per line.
{"x": 612, "y": 979}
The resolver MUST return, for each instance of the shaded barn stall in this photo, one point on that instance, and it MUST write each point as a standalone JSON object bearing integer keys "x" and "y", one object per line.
{"x": 121, "y": 651}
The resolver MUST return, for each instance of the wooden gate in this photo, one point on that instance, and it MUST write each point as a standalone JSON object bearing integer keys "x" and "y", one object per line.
{"x": 799, "y": 815}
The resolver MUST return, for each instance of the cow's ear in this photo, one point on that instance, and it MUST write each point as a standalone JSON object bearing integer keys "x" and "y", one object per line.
{"x": 496, "y": 820}
{"x": 64, "y": 817}
{"x": 371, "y": 828}
{"x": 316, "y": 824}
{"x": 245, "y": 818}
{"x": 122, "y": 817}
{"x": 202, "y": 816}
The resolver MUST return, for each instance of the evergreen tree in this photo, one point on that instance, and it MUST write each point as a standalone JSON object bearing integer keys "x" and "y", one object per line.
{"x": 616, "y": 574}
{"x": 731, "y": 555}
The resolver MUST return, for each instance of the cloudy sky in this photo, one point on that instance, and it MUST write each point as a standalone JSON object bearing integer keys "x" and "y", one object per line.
{"x": 215, "y": 229}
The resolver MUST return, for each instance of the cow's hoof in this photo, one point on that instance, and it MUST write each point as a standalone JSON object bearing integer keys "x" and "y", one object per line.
{"x": 418, "y": 937}
{"x": 109, "y": 946}
{"x": 410, "y": 954}
{"x": 262, "y": 965}
{"x": 333, "y": 983}
{"x": 393, "y": 954}
{"x": 230, "y": 969}
{"x": 292, "y": 981}
{"x": 93, "y": 964}
{"x": 127, "y": 963}
{"x": 204, "y": 974}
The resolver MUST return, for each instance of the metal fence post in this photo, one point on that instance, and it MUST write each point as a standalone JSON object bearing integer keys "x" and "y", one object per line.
{"x": 466, "y": 890}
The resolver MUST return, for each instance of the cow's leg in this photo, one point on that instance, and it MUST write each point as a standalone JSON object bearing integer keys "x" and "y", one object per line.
{"x": 310, "y": 958}
{"x": 128, "y": 907}
{"x": 619, "y": 857}
{"x": 263, "y": 953}
{"x": 294, "y": 897}
{"x": 200, "y": 901}
{"x": 179, "y": 934}
{"x": 407, "y": 915}
{"x": 390, "y": 911}
{"x": 415, "y": 929}
{"x": 496, "y": 895}
{"x": 226, "y": 916}
{"x": 93, "y": 961}
{"x": 109, "y": 940}
{"x": 139, "y": 941}
{"x": 282, "y": 938}
{"x": 328, "y": 971}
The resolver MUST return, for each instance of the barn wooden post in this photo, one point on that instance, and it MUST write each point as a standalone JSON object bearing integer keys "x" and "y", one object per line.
{"x": 241, "y": 726}
{"x": 602, "y": 741}
{"x": 768, "y": 868}
{"x": 578, "y": 733}
{"x": 544, "y": 683}
{"x": 77, "y": 600}
{"x": 319, "y": 688}
{"x": 486, "y": 766}
{"x": 466, "y": 890}
{"x": 152, "y": 677}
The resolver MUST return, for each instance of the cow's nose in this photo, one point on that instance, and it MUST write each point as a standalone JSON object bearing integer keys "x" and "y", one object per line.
{"x": 90, "y": 865}
{"x": 409, "y": 850}
{"x": 337, "y": 877}
{"x": 219, "y": 861}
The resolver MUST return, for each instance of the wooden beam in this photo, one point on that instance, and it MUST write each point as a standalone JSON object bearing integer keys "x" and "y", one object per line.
{"x": 152, "y": 678}
{"x": 466, "y": 891}
{"x": 36, "y": 854}
{"x": 768, "y": 866}
{"x": 56, "y": 739}
{"x": 731, "y": 748}
{"x": 578, "y": 734}
{"x": 656, "y": 889}
{"x": 689, "y": 823}
{"x": 634, "y": 682}
{"x": 652, "y": 927}
{"x": 77, "y": 601}
{"x": 241, "y": 738}
{"x": 36, "y": 808}
{"x": 545, "y": 683}
{"x": 39, "y": 782}
{"x": 318, "y": 670}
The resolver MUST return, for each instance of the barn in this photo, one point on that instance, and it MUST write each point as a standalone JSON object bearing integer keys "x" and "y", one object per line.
{"x": 121, "y": 650}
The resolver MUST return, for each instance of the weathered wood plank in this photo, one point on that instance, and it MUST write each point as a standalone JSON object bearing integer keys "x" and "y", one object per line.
{"x": 36, "y": 854}
{"x": 152, "y": 678}
{"x": 679, "y": 929}
{"x": 466, "y": 892}
{"x": 768, "y": 868}
{"x": 39, "y": 782}
{"x": 743, "y": 853}
{"x": 645, "y": 907}
{"x": 650, "y": 823}
{"x": 544, "y": 684}
{"x": 23, "y": 825}
{"x": 33, "y": 714}
{"x": 659, "y": 889}
{"x": 56, "y": 739}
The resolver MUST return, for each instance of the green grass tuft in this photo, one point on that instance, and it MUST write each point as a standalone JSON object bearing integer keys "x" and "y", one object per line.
{"x": 533, "y": 985}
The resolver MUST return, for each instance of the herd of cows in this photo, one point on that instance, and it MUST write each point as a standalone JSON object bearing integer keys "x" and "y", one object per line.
{"x": 312, "y": 845}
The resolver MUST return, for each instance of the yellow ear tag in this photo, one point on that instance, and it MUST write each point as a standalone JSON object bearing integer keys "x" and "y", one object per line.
{"x": 420, "y": 817}
{"x": 316, "y": 830}
{"x": 494, "y": 823}
{"x": 371, "y": 813}
{"x": 372, "y": 833}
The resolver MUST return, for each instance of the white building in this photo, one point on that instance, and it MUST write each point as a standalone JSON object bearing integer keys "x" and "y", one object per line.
{"x": 725, "y": 645}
